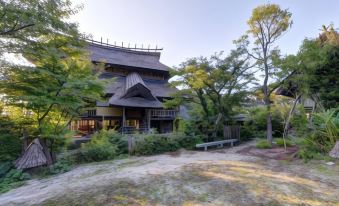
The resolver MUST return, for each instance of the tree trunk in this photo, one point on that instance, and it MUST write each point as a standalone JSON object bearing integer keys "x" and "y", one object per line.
{"x": 269, "y": 115}
{"x": 269, "y": 128}
{"x": 48, "y": 155}
{"x": 24, "y": 140}
{"x": 287, "y": 123}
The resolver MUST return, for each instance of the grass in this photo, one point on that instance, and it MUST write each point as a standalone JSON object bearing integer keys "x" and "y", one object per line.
{"x": 280, "y": 142}
{"x": 263, "y": 144}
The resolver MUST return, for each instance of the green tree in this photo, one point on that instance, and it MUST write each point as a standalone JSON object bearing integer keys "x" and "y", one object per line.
{"x": 215, "y": 85}
{"x": 267, "y": 23}
{"x": 23, "y": 23}
{"x": 316, "y": 65}
{"x": 59, "y": 83}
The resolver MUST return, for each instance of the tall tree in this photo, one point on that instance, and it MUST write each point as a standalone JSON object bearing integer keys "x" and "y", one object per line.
{"x": 59, "y": 82}
{"x": 267, "y": 23}
{"x": 215, "y": 84}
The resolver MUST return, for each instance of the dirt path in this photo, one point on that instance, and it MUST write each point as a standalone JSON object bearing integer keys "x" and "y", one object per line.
{"x": 221, "y": 177}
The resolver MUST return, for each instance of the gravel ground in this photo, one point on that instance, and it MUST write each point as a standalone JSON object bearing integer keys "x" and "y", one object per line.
{"x": 216, "y": 177}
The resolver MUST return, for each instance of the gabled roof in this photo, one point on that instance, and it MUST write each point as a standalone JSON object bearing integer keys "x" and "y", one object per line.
{"x": 135, "y": 86}
{"x": 126, "y": 57}
{"x": 118, "y": 88}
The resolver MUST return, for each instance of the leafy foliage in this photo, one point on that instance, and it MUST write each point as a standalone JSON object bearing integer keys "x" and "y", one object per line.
{"x": 10, "y": 177}
{"x": 98, "y": 149}
{"x": 255, "y": 125}
{"x": 12, "y": 122}
{"x": 159, "y": 143}
{"x": 280, "y": 142}
{"x": 57, "y": 81}
{"x": 267, "y": 23}
{"x": 322, "y": 135}
{"x": 23, "y": 23}
{"x": 211, "y": 87}
{"x": 262, "y": 144}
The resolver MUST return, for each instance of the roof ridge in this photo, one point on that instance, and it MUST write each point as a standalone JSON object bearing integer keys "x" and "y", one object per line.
{"x": 150, "y": 52}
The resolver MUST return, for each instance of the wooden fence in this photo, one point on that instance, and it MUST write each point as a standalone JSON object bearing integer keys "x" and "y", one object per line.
{"x": 232, "y": 132}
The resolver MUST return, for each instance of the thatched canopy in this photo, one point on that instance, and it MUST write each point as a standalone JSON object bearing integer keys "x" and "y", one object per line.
{"x": 132, "y": 92}
{"x": 33, "y": 156}
{"x": 135, "y": 86}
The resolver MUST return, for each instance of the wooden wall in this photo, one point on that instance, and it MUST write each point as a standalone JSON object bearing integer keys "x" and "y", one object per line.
{"x": 109, "y": 111}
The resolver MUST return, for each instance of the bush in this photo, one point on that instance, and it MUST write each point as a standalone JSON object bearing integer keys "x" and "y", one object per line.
{"x": 154, "y": 144}
{"x": 263, "y": 144}
{"x": 10, "y": 177}
{"x": 10, "y": 143}
{"x": 159, "y": 143}
{"x": 280, "y": 142}
{"x": 98, "y": 149}
{"x": 321, "y": 139}
{"x": 61, "y": 166}
{"x": 299, "y": 122}
{"x": 119, "y": 140}
{"x": 256, "y": 124}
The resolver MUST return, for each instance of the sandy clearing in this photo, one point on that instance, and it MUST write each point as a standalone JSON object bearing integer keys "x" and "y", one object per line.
{"x": 174, "y": 179}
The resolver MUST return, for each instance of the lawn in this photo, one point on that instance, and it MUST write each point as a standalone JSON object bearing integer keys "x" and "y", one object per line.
{"x": 217, "y": 177}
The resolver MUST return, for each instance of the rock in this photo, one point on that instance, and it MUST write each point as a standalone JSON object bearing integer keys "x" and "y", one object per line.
{"x": 335, "y": 151}
{"x": 330, "y": 163}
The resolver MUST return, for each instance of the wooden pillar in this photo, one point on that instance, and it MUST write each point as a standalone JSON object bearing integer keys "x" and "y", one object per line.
{"x": 123, "y": 116}
{"x": 148, "y": 120}
{"x": 87, "y": 126}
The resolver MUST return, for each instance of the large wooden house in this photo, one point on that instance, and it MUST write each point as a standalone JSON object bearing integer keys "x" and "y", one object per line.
{"x": 134, "y": 101}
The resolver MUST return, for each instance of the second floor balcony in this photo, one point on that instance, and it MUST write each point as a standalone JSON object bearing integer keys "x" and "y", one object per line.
{"x": 163, "y": 113}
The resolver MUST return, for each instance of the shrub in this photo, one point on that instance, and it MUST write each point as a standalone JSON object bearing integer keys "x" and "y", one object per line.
{"x": 263, "y": 144}
{"x": 10, "y": 143}
{"x": 159, "y": 143}
{"x": 10, "y": 177}
{"x": 299, "y": 122}
{"x": 154, "y": 144}
{"x": 119, "y": 140}
{"x": 98, "y": 149}
{"x": 322, "y": 137}
{"x": 61, "y": 166}
{"x": 187, "y": 141}
{"x": 280, "y": 142}
{"x": 256, "y": 124}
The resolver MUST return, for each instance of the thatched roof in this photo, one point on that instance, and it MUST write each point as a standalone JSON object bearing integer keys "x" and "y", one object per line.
{"x": 33, "y": 156}
{"x": 135, "y": 86}
{"x": 126, "y": 57}
{"x": 133, "y": 91}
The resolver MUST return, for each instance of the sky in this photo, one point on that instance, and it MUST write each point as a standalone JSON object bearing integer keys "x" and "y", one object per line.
{"x": 192, "y": 28}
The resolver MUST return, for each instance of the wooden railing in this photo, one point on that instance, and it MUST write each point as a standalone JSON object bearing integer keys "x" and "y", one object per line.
{"x": 163, "y": 113}
{"x": 90, "y": 113}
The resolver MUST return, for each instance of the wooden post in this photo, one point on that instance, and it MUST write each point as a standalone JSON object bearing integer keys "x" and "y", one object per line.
{"x": 103, "y": 122}
{"x": 123, "y": 116}
{"x": 131, "y": 145}
{"x": 148, "y": 120}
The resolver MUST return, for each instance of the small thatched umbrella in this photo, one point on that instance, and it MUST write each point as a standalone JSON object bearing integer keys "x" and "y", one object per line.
{"x": 32, "y": 157}
{"x": 335, "y": 151}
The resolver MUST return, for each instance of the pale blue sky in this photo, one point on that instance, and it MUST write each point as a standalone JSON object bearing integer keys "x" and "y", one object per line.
{"x": 190, "y": 28}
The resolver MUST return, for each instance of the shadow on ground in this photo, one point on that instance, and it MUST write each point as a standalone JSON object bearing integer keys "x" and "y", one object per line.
{"x": 216, "y": 183}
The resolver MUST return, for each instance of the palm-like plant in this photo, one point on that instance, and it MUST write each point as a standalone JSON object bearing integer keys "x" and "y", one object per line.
{"x": 326, "y": 129}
